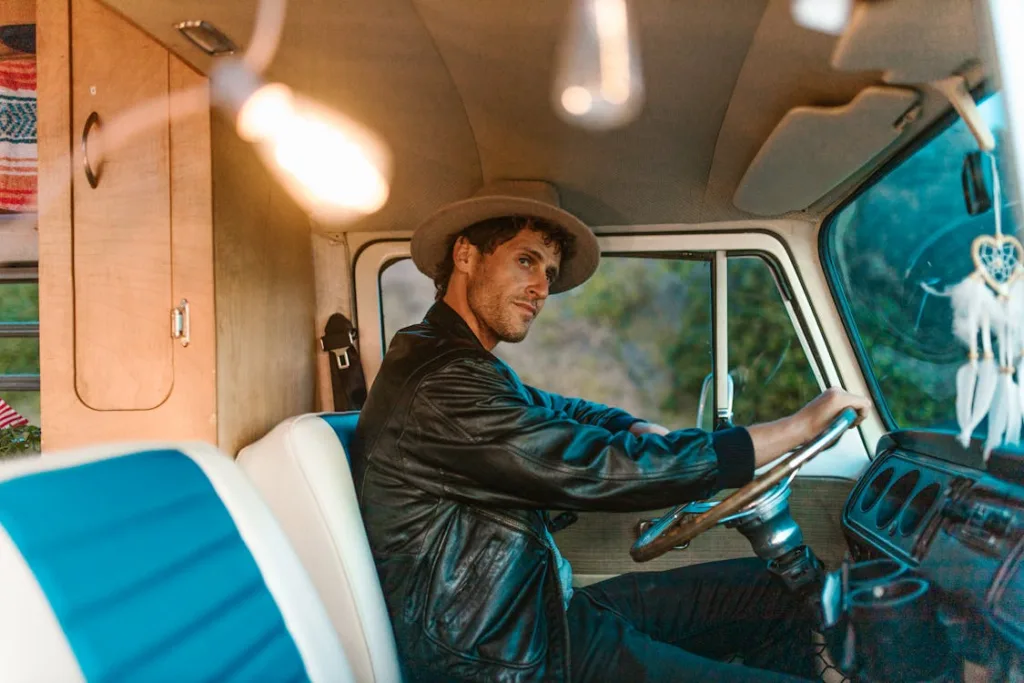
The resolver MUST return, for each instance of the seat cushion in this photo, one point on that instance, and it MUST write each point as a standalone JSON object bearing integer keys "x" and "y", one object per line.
{"x": 301, "y": 469}
{"x": 155, "y": 563}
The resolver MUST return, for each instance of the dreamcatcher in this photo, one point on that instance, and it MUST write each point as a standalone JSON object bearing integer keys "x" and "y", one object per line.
{"x": 990, "y": 303}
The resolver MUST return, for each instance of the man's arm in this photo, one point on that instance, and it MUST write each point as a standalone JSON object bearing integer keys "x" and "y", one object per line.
{"x": 774, "y": 439}
{"x": 585, "y": 412}
{"x": 493, "y": 447}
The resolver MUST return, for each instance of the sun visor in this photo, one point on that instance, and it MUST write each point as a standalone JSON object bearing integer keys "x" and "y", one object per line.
{"x": 813, "y": 149}
{"x": 911, "y": 41}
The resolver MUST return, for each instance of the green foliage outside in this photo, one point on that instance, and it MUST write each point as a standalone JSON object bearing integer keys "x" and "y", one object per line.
{"x": 662, "y": 310}
{"x": 15, "y": 441}
{"x": 19, "y": 302}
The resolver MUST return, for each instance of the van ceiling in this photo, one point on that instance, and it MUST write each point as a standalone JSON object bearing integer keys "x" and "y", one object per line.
{"x": 460, "y": 90}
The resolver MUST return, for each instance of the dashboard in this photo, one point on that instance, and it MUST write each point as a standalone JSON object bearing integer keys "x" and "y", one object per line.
{"x": 956, "y": 522}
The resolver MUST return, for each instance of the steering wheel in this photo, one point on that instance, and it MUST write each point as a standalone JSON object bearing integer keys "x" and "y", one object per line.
{"x": 685, "y": 522}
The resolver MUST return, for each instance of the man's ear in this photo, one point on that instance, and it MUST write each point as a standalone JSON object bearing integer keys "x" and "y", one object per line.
{"x": 464, "y": 255}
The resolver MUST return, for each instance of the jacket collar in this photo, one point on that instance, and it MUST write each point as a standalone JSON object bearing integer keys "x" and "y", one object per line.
{"x": 444, "y": 317}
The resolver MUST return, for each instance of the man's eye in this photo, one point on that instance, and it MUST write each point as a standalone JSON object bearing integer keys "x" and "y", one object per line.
{"x": 524, "y": 260}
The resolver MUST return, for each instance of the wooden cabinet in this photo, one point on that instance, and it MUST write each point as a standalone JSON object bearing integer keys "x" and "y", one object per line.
{"x": 117, "y": 256}
{"x": 182, "y": 211}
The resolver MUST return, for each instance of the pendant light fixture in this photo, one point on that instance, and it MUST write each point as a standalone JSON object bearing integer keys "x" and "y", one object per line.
{"x": 336, "y": 169}
{"x": 598, "y": 81}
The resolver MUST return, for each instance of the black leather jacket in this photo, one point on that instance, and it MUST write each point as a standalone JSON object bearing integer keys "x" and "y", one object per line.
{"x": 455, "y": 462}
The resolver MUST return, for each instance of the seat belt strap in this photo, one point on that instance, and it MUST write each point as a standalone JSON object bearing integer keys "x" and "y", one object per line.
{"x": 348, "y": 384}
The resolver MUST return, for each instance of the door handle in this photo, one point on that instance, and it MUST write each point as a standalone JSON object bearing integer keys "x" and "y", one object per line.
{"x": 92, "y": 176}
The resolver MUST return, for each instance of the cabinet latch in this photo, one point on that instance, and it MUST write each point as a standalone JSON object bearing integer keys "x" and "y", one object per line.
{"x": 180, "y": 322}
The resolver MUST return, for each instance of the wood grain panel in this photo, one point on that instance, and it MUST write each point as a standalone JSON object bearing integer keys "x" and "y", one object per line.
{"x": 17, "y": 12}
{"x": 195, "y": 366}
{"x": 122, "y": 228}
{"x": 265, "y": 296}
{"x": 186, "y": 414}
{"x": 598, "y": 544}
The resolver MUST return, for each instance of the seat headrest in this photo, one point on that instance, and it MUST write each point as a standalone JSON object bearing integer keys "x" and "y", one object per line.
{"x": 151, "y": 562}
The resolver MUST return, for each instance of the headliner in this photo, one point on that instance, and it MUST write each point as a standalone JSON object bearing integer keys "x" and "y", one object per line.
{"x": 460, "y": 90}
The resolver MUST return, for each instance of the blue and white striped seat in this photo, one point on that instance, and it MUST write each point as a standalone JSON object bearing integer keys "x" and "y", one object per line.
{"x": 301, "y": 469}
{"x": 152, "y": 562}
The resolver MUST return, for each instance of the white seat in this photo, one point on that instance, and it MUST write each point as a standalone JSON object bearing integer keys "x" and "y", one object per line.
{"x": 301, "y": 468}
{"x": 155, "y": 562}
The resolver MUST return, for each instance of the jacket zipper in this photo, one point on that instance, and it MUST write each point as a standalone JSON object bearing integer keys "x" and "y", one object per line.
{"x": 516, "y": 524}
{"x": 511, "y": 522}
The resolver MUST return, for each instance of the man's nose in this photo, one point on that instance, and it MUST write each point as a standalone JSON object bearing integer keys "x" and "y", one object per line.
{"x": 539, "y": 287}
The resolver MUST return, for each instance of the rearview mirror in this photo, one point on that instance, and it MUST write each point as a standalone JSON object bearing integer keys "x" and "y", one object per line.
{"x": 972, "y": 177}
{"x": 707, "y": 397}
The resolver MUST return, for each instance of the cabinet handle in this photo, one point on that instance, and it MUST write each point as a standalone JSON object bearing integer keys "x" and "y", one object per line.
{"x": 180, "y": 323}
{"x": 92, "y": 177}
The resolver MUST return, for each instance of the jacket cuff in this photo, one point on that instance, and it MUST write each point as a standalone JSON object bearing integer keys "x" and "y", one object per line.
{"x": 735, "y": 451}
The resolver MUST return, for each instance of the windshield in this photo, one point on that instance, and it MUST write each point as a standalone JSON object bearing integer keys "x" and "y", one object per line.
{"x": 891, "y": 249}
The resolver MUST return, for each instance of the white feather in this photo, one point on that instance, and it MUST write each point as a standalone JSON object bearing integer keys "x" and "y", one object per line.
{"x": 997, "y": 417}
{"x": 966, "y": 381}
{"x": 1013, "y": 423}
{"x": 984, "y": 392}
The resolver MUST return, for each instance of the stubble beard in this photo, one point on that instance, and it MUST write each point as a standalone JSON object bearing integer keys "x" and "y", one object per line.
{"x": 494, "y": 313}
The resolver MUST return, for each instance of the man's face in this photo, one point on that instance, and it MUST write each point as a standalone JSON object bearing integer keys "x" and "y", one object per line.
{"x": 507, "y": 289}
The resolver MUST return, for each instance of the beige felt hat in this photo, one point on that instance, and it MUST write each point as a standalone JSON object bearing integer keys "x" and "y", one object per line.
{"x": 533, "y": 198}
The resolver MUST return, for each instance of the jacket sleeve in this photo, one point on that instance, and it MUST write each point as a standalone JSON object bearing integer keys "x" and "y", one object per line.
{"x": 492, "y": 446}
{"x": 585, "y": 412}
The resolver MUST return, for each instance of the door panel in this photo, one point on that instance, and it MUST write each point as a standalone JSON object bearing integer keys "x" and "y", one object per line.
{"x": 598, "y": 544}
{"x": 122, "y": 227}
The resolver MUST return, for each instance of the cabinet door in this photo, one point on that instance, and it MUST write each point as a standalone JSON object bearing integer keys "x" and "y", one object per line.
{"x": 121, "y": 234}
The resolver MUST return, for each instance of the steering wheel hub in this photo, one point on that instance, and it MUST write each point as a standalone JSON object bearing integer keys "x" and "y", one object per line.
{"x": 769, "y": 526}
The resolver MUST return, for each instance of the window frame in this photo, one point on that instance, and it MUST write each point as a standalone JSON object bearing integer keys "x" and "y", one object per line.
{"x": 11, "y": 330}
{"x": 831, "y": 268}
{"x": 846, "y": 461}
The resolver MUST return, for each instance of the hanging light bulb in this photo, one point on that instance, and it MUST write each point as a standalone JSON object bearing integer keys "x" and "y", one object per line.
{"x": 826, "y": 16}
{"x": 334, "y": 168}
{"x": 598, "y": 83}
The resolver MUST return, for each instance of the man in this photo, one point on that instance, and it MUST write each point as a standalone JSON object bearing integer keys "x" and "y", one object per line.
{"x": 456, "y": 462}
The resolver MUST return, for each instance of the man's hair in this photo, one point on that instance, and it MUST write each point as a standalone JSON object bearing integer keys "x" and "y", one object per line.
{"x": 487, "y": 235}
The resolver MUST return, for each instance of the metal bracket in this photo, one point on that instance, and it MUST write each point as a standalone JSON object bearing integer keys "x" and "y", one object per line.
{"x": 642, "y": 526}
{"x": 180, "y": 323}
{"x": 955, "y": 90}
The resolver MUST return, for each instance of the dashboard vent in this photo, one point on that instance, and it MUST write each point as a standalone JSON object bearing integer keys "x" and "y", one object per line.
{"x": 874, "y": 489}
{"x": 895, "y": 497}
{"x": 918, "y": 508}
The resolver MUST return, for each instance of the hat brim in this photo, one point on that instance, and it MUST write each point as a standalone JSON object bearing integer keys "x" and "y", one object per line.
{"x": 431, "y": 241}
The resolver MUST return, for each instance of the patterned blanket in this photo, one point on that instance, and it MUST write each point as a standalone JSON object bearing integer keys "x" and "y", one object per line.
{"x": 18, "y": 156}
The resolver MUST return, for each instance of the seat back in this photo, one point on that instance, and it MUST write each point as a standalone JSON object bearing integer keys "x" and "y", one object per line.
{"x": 155, "y": 562}
{"x": 301, "y": 469}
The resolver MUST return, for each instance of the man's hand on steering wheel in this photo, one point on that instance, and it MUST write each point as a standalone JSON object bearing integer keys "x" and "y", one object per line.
{"x": 773, "y": 439}
{"x": 802, "y": 436}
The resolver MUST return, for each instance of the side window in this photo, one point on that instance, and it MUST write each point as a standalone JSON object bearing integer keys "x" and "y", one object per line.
{"x": 638, "y": 336}
{"x": 771, "y": 372}
{"x": 19, "y": 362}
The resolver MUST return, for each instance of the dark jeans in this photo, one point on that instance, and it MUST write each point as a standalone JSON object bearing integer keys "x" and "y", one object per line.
{"x": 679, "y": 625}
